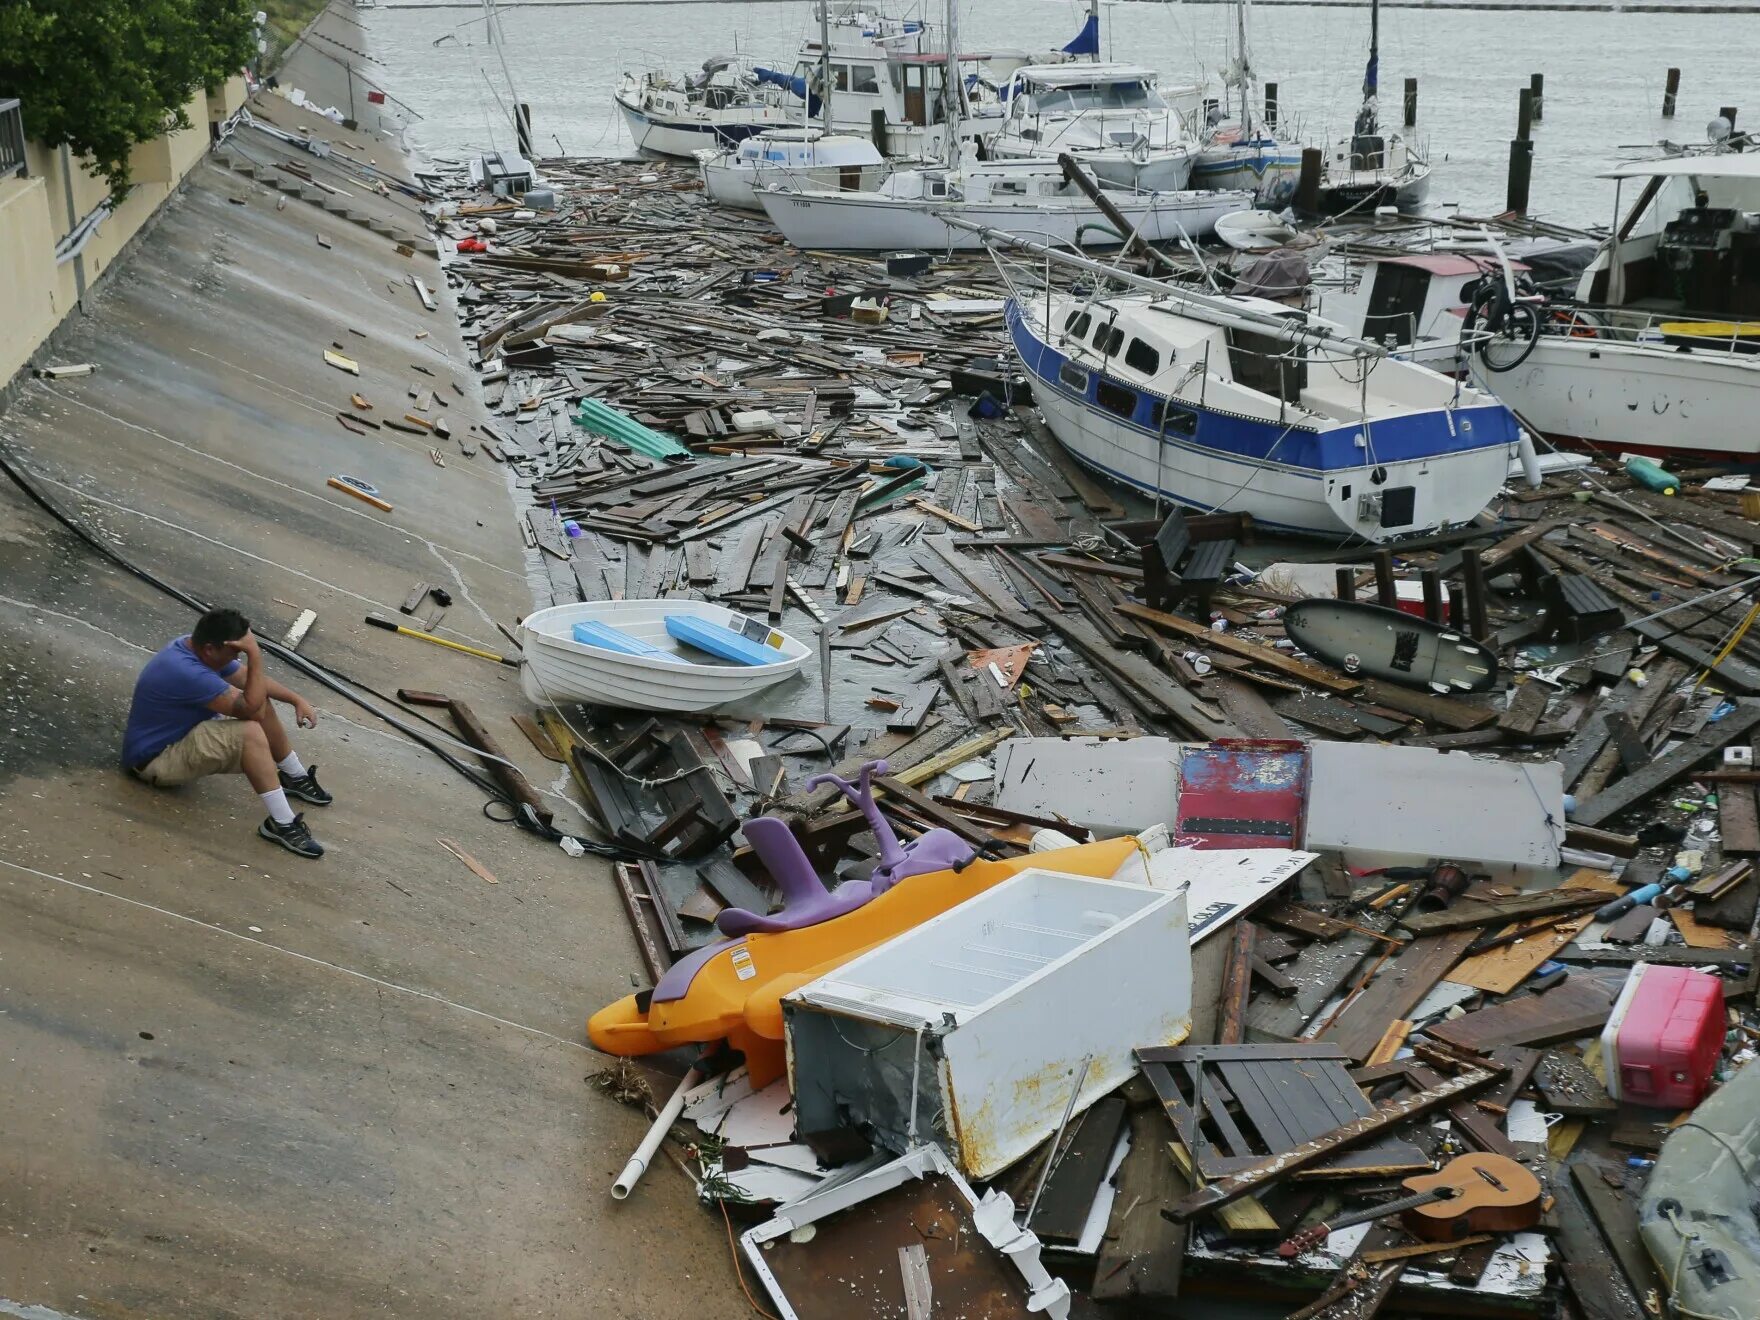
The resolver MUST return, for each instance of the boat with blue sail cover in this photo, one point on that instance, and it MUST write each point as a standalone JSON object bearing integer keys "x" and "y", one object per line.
{"x": 1223, "y": 403}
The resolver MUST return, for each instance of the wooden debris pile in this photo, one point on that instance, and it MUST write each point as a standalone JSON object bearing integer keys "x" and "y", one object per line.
{"x": 690, "y": 408}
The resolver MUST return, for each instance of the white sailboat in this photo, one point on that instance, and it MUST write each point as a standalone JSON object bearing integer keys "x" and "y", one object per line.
{"x": 1225, "y": 403}
{"x": 1660, "y": 352}
{"x": 913, "y": 206}
{"x": 1114, "y": 118}
{"x": 803, "y": 157}
{"x": 885, "y": 80}
{"x": 1246, "y": 150}
{"x": 721, "y": 106}
{"x": 1374, "y": 167}
{"x": 937, "y": 208}
{"x": 790, "y": 158}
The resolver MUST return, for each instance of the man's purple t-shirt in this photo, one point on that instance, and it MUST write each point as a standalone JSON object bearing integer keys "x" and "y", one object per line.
{"x": 170, "y": 698}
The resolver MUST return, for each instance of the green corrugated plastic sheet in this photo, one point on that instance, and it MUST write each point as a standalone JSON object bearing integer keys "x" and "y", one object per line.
{"x": 603, "y": 419}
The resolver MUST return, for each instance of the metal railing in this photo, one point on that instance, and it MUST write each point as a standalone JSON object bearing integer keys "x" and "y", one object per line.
{"x": 11, "y": 138}
{"x": 1657, "y": 329}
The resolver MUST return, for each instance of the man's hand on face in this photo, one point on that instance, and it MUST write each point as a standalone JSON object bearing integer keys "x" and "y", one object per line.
{"x": 245, "y": 647}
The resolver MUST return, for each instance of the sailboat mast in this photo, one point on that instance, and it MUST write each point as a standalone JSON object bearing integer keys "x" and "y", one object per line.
{"x": 825, "y": 64}
{"x": 1366, "y": 119}
{"x": 521, "y": 130}
{"x": 951, "y": 119}
{"x": 1248, "y": 82}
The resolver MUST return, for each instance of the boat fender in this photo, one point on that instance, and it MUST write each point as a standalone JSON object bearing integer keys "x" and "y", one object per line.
{"x": 1530, "y": 461}
{"x": 1652, "y": 476}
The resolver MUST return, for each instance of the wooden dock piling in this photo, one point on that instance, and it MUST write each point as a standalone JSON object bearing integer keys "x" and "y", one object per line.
{"x": 1386, "y": 592}
{"x": 1308, "y": 185}
{"x": 1537, "y": 85}
{"x": 1432, "y": 581}
{"x": 1411, "y": 102}
{"x": 1525, "y": 113}
{"x": 1346, "y": 579}
{"x": 1669, "y": 91}
{"x": 1477, "y": 622}
{"x": 1521, "y": 173}
{"x": 1270, "y": 105}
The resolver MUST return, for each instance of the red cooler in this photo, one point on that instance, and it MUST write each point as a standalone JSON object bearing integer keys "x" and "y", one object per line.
{"x": 1663, "y": 1038}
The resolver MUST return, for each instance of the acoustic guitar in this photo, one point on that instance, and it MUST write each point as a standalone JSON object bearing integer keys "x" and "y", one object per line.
{"x": 1470, "y": 1194}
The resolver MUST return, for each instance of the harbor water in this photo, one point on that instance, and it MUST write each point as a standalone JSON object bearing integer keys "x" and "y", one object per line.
{"x": 1604, "y": 72}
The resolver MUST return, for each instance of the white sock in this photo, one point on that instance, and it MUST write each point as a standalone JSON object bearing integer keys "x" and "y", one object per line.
{"x": 291, "y": 766}
{"x": 279, "y": 811}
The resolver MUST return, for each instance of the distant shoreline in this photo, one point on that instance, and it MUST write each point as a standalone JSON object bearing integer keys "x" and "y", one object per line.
{"x": 1529, "y": 6}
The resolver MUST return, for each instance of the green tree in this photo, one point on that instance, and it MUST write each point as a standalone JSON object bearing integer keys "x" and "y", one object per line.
{"x": 105, "y": 75}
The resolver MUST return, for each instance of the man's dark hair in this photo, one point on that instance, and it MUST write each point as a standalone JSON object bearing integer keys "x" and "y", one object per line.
{"x": 219, "y": 626}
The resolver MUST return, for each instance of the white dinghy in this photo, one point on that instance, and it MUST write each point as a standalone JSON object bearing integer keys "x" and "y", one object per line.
{"x": 671, "y": 655}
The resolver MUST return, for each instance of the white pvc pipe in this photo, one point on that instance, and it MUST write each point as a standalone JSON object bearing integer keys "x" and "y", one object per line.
{"x": 663, "y": 1121}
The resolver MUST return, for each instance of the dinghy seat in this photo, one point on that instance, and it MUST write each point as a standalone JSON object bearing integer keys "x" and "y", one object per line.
{"x": 722, "y": 643}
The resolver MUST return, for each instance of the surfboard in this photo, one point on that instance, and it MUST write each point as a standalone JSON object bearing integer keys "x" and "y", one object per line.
{"x": 1372, "y": 641}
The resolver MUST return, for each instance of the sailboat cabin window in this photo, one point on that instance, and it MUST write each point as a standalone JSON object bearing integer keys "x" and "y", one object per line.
{"x": 1074, "y": 377}
{"x": 1170, "y": 419}
{"x": 1108, "y": 339}
{"x": 1077, "y": 323}
{"x": 864, "y": 78}
{"x": 840, "y": 77}
{"x": 937, "y": 188}
{"x": 1140, "y": 357}
{"x": 1115, "y": 398}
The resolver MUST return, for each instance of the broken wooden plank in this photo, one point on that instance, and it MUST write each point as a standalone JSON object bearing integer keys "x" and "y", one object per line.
{"x": 1398, "y": 988}
{"x": 1567, "y": 1086}
{"x": 1615, "y": 1213}
{"x": 1527, "y": 708}
{"x": 1237, "y": 985}
{"x": 540, "y": 738}
{"x": 1141, "y": 1254}
{"x": 1467, "y": 913}
{"x": 1669, "y": 768}
{"x": 1217, "y": 1194}
{"x": 1069, "y": 1192}
{"x": 1257, "y": 652}
{"x": 1738, "y": 822}
{"x": 1500, "y": 970}
{"x": 1579, "y": 1007}
{"x": 475, "y": 867}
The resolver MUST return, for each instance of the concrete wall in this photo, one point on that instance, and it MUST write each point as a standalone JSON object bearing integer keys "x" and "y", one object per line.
{"x": 38, "y": 211}
{"x": 27, "y": 280}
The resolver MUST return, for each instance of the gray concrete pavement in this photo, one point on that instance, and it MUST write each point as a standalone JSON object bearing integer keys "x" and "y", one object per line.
{"x": 233, "y": 1082}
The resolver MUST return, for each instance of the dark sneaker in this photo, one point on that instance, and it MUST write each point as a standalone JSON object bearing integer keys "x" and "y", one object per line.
{"x": 306, "y": 788}
{"x": 294, "y": 836}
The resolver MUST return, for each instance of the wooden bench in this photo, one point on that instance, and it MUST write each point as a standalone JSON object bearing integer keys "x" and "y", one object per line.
{"x": 1187, "y": 558}
{"x": 1577, "y": 609}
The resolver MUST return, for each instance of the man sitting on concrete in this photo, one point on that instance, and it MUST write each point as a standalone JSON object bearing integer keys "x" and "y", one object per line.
{"x": 205, "y": 706}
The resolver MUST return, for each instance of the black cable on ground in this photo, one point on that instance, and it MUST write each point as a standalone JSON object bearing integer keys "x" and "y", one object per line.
{"x": 333, "y": 679}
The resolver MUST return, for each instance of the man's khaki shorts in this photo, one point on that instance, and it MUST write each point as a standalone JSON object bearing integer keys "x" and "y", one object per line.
{"x": 213, "y": 747}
